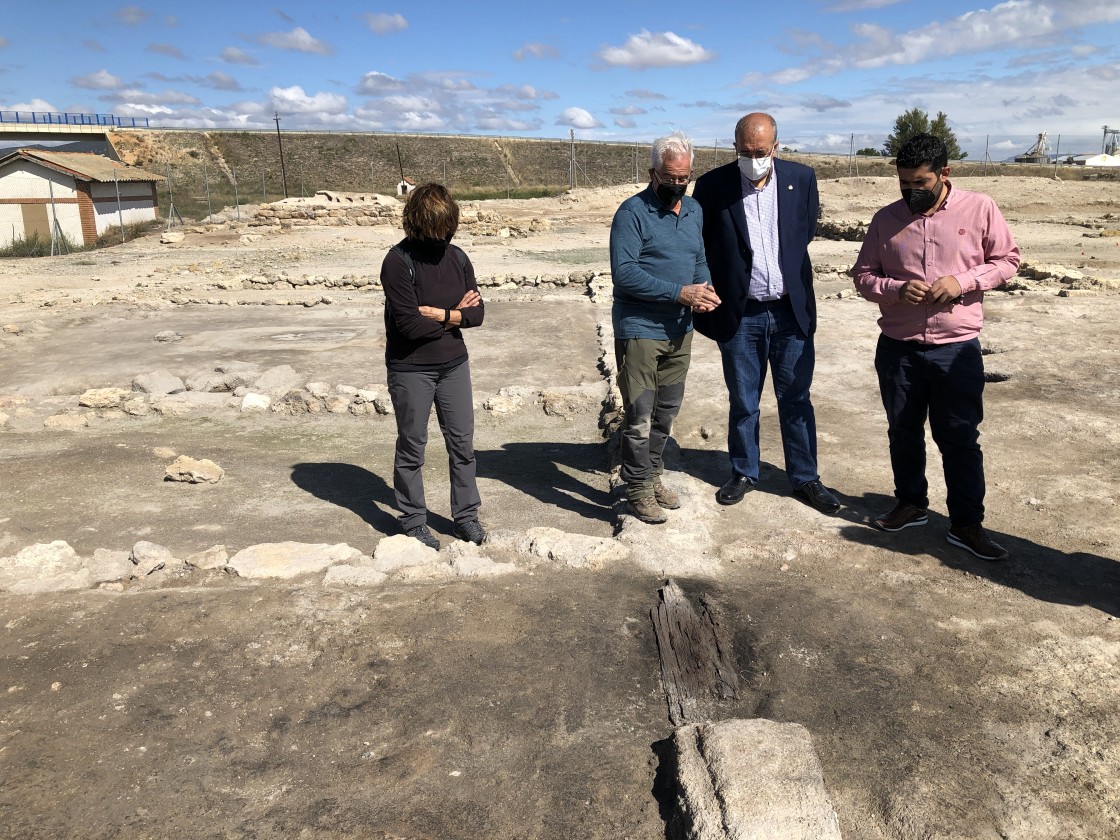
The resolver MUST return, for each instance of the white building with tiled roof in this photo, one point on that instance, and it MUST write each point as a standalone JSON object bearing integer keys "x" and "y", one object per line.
{"x": 86, "y": 193}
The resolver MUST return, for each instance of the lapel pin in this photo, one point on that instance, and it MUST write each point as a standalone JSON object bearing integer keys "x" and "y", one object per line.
{"x": 789, "y": 186}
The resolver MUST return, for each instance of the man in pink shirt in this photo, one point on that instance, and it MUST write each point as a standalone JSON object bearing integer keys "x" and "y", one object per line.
{"x": 927, "y": 261}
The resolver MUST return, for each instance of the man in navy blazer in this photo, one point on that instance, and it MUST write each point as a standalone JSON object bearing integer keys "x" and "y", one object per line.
{"x": 760, "y": 214}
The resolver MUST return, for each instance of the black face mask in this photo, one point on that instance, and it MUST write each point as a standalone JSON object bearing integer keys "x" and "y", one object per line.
{"x": 919, "y": 201}
{"x": 670, "y": 194}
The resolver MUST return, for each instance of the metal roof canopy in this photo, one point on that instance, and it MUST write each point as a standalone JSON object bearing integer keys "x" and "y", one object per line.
{"x": 84, "y": 166}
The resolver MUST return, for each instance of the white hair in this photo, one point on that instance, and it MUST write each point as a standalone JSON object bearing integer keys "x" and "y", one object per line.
{"x": 676, "y": 145}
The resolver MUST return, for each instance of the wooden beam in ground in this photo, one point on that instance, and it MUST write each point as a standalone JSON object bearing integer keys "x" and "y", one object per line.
{"x": 697, "y": 666}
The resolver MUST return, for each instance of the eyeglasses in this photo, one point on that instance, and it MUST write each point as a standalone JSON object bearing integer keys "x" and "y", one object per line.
{"x": 684, "y": 180}
{"x": 755, "y": 155}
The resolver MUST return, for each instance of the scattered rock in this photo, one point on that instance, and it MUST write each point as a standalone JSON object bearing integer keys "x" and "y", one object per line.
{"x": 249, "y": 238}
{"x": 158, "y": 382}
{"x": 337, "y": 404}
{"x": 109, "y": 565}
{"x": 185, "y": 468}
{"x": 503, "y": 405}
{"x": 470, "y": 560}
{"x": 148, "y": 557}
{"x": 277, "y": 381}
{"x": 102, "y": 397}
{"x": 13, "y": 329}
{"x": 67, "y": 421}
{"x": 290, "y": 559}
{"x": 569, "y": 401}
{"x": 398, "y": 551}
{"x": 751, "y": 780}
{"x": 575, "y": 550}
{"x": 44, "y": 567}
{"x": 136, "y": 407}
{"x": 212, "y": 558}
{"x": 255, "y": 402}
{"x": 170, "y": 237}
{"x": 168, "y": 335}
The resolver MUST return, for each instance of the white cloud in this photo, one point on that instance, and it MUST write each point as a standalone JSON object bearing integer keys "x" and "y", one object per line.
{"x": 374, "y": 83}
{"x": 628, "y": 111}
{"x": 383, "y": 24}
{"x": 641, "y": 93}
{"x": 232, "y": 55}
{"x": 219, "y": 81}
{"x": 825, "y": 103}
{"x": 293, "y": 100}
{"x": 101, "y": 80}
{"x": 131, "y": 15}
{"x": 1004, "y": 146}
{"x": 406, "y": 104}
{"x": 169, "y": 50}
{"x": 4, "y": 42}
{"x": 535, "y": 49}
{"x": 655, "y": 49}
{"x": 501, "y": 123}
{"x": 33, "y": 105}
{"x": 524, "y": 92}
{"x": 1012, "y": 23}
{"x": 93, "y": 45}
{"x": 167, "y": 97}
{"x": 577, "y": 118}
{"x": 299, "y": 40}
{"x": 625, "y": 122}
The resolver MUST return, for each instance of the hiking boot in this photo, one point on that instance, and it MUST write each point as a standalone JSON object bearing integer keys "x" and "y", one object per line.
{"x": 665, "y": 497}
{"x": 421, "y": 533}
{"x": 648, "y": 510}
{"x": 973, "y": 538}
{"x": 469, "y": 531}
{"x": 904, "y": 515}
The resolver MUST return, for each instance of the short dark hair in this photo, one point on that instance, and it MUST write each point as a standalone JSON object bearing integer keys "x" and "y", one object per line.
{"x": 923, "y": 150}
{"x": 430, "y": 213}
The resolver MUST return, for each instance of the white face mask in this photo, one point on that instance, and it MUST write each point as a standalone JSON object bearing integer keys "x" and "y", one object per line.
{"x": 755, "y": 169}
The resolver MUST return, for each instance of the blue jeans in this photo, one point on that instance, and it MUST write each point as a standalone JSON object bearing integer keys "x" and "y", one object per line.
{"x": 768, "y": 334}
{"x": 946, "y": 383}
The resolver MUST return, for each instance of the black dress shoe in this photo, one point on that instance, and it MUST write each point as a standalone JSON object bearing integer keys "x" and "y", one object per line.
{"x": 817, "y": 495}
{"x": 734, "y": 490}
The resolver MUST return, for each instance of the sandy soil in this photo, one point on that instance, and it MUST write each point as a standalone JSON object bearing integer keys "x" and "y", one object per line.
{"x": 947, "y": 698}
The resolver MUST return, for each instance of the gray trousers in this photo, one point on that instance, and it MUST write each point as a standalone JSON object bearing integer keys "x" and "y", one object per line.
{"x": 413, "y": 393}
{"x": 651, "y": 375}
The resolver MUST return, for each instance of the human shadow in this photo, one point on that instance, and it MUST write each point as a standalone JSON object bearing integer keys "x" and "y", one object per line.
{"x": 1075, "y": 578}
{"x": 357, "y": 489}
{"x": 712, "y": 467}
{"x": 544, "y": 471}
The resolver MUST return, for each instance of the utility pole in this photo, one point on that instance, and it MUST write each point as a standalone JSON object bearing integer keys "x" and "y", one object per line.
{"x": 283, "y": 172}
{"x": 572, "y": 160}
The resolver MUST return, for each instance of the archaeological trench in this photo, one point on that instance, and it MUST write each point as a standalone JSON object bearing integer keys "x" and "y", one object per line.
{"x": 210, "y": 625}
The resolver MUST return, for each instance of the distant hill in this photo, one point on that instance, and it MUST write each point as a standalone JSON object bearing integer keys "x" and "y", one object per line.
{"x": 472, "y": 166}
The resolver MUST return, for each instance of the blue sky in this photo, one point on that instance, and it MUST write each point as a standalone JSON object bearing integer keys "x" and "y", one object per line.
{"x": 826, "y": 69}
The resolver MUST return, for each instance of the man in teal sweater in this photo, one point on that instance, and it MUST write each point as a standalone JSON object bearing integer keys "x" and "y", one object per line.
{"x": 660, "y": 278}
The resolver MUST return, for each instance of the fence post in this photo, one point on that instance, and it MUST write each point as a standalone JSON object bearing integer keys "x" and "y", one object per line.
{"x": 120, "y": 212}
{"x": 236, "y": 198}
{"x": 206, "y": 179}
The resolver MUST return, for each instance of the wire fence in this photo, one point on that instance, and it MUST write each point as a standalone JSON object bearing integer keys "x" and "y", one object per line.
{"x": 212, "y": 173}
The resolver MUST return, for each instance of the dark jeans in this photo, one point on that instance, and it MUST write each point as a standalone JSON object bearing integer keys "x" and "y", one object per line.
{"x": 769, "y": 335}
{"x": 945, "y": 382}
{"x": 651, "y": 374}
{"x": 413, "y": 393}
